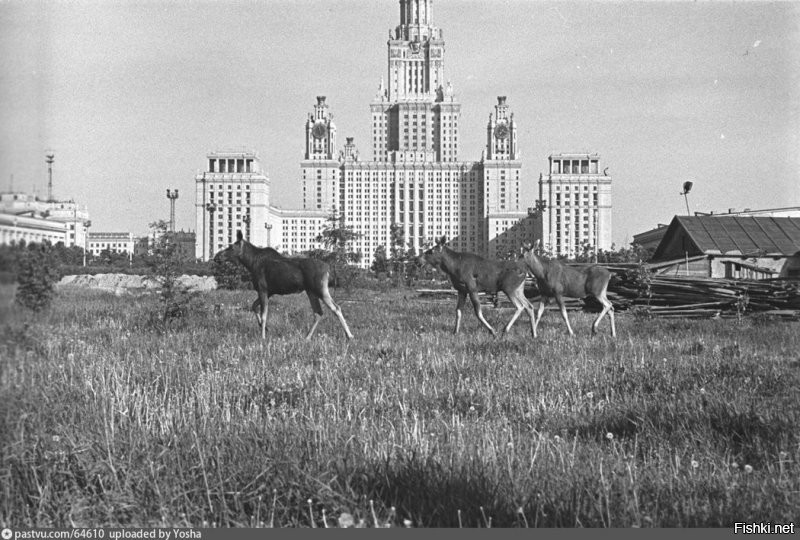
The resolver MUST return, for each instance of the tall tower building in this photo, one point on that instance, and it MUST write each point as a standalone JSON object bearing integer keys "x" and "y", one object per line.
{"x": 415, "y": 180}
{"x": 320, "y": 167}
{"x": 415, "y": 117}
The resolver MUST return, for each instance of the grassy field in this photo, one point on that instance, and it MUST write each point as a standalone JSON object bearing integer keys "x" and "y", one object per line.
{"x": 107, "y": 418}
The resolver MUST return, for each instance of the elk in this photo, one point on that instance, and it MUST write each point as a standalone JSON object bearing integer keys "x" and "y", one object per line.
{"x": 470, "y": 274}
{"x": 272, "y": 273}
{"x": 556, "y": 280}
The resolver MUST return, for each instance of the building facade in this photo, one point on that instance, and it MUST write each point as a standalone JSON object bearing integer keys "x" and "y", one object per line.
{"x": 30, "y": 229}
{"x": 231, "y": 194}
{"x": 115, "y": 242}
{"x": 415, "y": 180}
{"x": 38, "y": 220}
{"x": 574, "y": 206}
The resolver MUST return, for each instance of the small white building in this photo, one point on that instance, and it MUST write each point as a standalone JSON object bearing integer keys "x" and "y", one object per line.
{"x": 116, "y": 242}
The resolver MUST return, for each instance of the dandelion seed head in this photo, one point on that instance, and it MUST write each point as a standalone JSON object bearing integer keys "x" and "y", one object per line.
{"x": 610, "y": 436}
{"x": 702, "y": 391}
{"x": 748, "y": 469}
{"x": 735, "y": 465}
{"x": 346, "y": 520}
{"x": 590, "y": 395}
{"x": 695, "y": 464}
{"x": 56, "y": 438}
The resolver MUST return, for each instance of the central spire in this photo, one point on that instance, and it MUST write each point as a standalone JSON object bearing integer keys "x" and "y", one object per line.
{"x": 415, "y": 12}
{"x": 416, "y": 21}
{"x": 416, "y": 54}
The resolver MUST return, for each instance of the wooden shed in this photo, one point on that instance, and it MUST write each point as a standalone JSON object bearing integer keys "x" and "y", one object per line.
{"x": 735, "y": 247}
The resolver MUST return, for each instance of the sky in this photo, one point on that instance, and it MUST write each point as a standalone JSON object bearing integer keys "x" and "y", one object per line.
{"x": 131, "y": 96}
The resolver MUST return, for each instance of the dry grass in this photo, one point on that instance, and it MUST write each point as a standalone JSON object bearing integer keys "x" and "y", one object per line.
{"x": 108, "y": 420}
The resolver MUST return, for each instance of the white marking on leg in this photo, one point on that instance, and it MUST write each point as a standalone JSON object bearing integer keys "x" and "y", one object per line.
{"x": 338, "y": 311}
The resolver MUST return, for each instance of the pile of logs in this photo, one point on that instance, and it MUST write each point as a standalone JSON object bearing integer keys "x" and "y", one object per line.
{"x": 691, "y": 297}
{"x": 705, "y": 297}
{"x": 634, "y": 288}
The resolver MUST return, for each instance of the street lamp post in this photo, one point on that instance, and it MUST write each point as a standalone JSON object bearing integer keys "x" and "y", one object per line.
{"x": 211, "y": 207}
{"x": 268, "y": 226}
{"x": 86, "y": 225}
{"x": 246, "y": 221}
{"x": 537, "y": 212}
{"x": 172, "y": 196}
{"x": 687, "y": 187}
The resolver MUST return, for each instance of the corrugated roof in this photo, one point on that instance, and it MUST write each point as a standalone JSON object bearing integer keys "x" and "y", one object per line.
{"x": 746, "y": 235}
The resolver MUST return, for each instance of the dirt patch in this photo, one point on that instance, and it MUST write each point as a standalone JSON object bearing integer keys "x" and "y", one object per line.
{"x": 128, "y": 284}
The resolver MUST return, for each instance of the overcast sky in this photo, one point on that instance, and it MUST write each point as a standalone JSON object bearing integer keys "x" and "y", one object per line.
{"x": 131, "y": 96}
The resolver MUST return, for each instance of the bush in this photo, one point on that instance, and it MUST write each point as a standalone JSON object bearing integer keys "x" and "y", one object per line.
{"x": 37, "y": 274}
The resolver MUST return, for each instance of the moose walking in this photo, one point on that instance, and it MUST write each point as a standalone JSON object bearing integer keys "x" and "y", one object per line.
{"x": 471, "y": 274}
{"x": 272, "y": 273}
{"x": 556, "y": 280}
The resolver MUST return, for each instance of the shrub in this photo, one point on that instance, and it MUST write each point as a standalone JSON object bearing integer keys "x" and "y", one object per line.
{"x": 37, "y": 274}
{"x": 166, "y": 265}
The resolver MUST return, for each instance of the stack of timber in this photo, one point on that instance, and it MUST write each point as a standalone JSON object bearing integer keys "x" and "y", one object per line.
{"x": 633, "y": 287}
{"x": 679, "y": 297}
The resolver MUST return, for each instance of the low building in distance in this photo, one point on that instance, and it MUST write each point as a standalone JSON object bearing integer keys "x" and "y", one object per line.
{"x": 736, "y": 247}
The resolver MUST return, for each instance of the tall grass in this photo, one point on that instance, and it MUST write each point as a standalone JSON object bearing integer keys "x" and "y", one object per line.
{"x": 107, "y": 419}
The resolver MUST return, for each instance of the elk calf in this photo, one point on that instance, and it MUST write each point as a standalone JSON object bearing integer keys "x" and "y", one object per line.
{"x": 471, "y": 274}
{"x": 272, "y": 273}
{"x": 556, "y": 280}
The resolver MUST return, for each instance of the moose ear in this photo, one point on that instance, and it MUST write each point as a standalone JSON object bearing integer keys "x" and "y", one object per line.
{"x": 526, "y": 246}
{"x": 239, "y": 236}
{"x": 442, "y": 241}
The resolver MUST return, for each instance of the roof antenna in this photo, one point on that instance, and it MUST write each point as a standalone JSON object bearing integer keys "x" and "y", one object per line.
{"x": 687, "y": 187}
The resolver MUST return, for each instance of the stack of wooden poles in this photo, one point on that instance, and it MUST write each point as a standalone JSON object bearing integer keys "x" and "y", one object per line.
{"x": 634, "y": 288}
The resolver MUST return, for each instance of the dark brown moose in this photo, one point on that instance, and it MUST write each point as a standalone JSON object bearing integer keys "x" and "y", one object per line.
{"x": 273, "y": 273}
{"x": 556, "y": 280}
{"x": 471, "y": 274}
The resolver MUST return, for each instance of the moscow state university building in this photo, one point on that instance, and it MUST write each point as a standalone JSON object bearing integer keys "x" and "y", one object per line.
{"x": 415, "y": 180}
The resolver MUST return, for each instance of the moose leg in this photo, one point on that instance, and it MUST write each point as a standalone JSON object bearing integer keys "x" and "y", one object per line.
{"x": 517, "y": 298}
{"x": 608, "y": 307}
{"x": 462, "y": 298}
{"x": 529, "y": 308}
{"x": 256, "y": 308}
{"x": 476, "y": 304}
{"x": 262, "y": 317}
{"x": 517, "y": 313}
{"x": 316, "y": 307}
{"x": 560, "y": 300}
{"x": 542, "y": 303}
{"x": 326, "y": 297}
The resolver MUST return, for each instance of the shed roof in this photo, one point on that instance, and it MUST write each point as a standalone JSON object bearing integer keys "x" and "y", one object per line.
{"x": 731, "y": 235}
